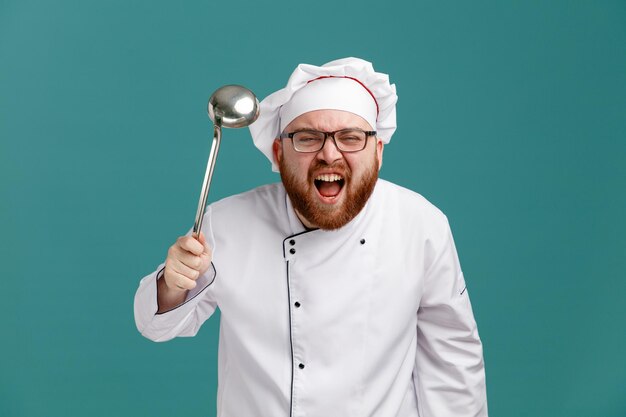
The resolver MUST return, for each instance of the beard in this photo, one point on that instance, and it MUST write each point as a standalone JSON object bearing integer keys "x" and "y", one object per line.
{"x": 303, "y": 193}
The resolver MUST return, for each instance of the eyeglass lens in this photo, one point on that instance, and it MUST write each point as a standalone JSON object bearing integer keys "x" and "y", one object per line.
{"x": 346, "y": 140}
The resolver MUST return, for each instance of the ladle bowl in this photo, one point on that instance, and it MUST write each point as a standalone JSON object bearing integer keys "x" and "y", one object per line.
{"x": 233, "y": 106}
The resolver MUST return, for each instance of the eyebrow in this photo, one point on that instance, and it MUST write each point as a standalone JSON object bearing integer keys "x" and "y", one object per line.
{"x": 305, "y": 129}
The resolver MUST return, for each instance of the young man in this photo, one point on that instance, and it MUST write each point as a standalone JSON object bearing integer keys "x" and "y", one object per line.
{"x": 340, "y": 293}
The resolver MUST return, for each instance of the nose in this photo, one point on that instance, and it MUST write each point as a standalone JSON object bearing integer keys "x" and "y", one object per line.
{"x": 329, "y": 153}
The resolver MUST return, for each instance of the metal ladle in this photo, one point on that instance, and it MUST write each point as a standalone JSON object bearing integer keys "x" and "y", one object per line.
{"x": 231, "y": 106}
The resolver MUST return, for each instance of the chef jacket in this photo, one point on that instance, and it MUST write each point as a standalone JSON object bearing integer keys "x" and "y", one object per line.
{"x": 372, "y": 319}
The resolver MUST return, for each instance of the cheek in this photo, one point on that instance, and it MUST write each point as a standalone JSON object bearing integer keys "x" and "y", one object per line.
{"x": 360, "y": 165}
{"x": 297, "y": 166}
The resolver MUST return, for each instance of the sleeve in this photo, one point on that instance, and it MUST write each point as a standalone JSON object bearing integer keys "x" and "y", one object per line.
{"x": 449, "y": 371}
{"x": 186, "y": 318}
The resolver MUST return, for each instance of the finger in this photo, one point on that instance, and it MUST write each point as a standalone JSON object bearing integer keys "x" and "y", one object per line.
{"x": 190, "y": 244}
{"x": 189, "y": 259}
{"x": 184, "y": 270}
{"x": 180, "y": 281}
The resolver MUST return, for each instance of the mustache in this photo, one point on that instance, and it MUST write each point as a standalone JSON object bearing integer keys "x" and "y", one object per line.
{"x": 339, "y": 166}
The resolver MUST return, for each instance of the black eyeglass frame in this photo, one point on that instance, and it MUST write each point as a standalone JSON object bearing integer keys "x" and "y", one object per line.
{"x": 368, "y": 133}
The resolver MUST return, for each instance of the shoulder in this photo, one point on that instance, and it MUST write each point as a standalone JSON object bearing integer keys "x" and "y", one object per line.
{"x": 408, "y": 214}
{"x": 401, "y": 200}
{"x": 239, "y": 225}
{"x": 267, "y": 194}
{"x": 263, "y": 201}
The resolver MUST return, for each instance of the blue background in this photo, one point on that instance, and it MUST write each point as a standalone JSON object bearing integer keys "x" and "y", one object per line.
{"x": 512, "y": 120}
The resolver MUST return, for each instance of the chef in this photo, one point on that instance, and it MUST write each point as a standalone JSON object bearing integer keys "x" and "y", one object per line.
{"x": 340, "y": 293}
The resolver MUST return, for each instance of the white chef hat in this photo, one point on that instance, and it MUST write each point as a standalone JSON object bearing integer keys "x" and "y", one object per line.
{"x": 348, "y": 84}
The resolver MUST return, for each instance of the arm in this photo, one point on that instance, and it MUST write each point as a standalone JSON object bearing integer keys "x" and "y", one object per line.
{"x": 177, "y": 298}
{"x": 449, "y": 369}
{"x": 184, "y": 319}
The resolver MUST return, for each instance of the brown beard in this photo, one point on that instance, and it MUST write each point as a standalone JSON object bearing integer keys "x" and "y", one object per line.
{"x": 324, "y": 216}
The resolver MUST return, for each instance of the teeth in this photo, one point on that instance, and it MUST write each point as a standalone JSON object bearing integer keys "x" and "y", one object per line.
{"x": 328, "y": 177}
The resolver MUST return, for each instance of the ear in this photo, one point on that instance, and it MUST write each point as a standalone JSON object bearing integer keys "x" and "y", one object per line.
{"x": 277, "y": 150}
{"x": 379, "y": 153}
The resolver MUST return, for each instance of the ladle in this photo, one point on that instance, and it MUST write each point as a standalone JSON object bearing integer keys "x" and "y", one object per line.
{"x": 231, "y": 106}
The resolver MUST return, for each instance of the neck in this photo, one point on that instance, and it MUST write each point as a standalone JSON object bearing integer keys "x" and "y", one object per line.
{"x": 307, "y": 224}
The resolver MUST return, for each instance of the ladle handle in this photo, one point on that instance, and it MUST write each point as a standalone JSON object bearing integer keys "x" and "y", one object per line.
{"x": 206, "y": 184}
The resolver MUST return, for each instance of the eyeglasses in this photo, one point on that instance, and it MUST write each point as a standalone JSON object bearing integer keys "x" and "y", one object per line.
{"x": 346, "y": 140}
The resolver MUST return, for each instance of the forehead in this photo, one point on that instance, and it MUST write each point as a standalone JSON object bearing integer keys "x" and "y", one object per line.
{"x": 328, "y": 120}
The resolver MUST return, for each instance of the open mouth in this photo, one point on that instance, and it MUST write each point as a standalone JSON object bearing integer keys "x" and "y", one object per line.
{"x": 329, "y": 185}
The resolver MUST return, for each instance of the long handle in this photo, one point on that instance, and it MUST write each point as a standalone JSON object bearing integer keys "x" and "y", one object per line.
{"x": 206, "y": 184}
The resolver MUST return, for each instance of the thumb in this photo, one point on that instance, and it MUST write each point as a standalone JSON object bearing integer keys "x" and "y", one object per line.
{"x": 202, "y": 239}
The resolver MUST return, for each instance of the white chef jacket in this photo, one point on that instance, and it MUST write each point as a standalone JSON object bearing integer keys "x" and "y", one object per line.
{"x": 371, "y": 320}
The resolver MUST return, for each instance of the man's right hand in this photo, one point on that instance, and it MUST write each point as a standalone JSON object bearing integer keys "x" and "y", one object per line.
{"x": 186, "y": 260}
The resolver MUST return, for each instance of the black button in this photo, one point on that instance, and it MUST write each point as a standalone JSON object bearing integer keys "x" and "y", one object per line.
{"x": 297, "y": 304}
{"x": 301, "y": 366}
{"x": 292, "y": 251}
{"x": 362, "y": 241}
{"x": 292, "y": 242}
